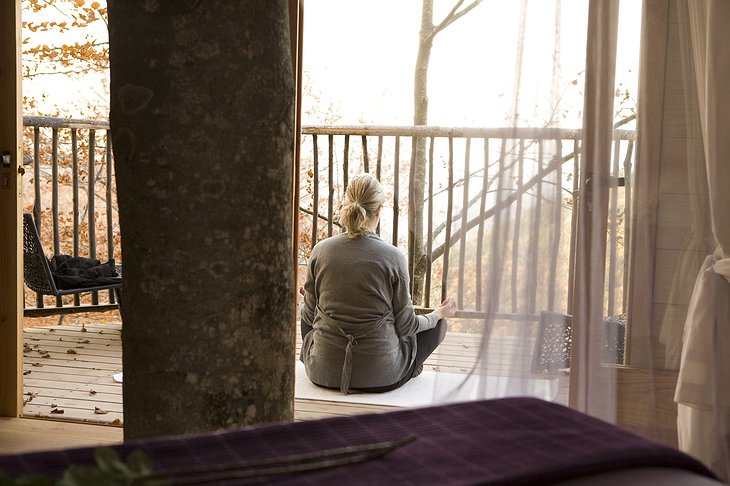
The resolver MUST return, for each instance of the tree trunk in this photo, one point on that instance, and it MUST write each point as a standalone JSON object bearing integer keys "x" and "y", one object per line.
{"x": 416, "y": 197}
{"x": 202, "y": 123}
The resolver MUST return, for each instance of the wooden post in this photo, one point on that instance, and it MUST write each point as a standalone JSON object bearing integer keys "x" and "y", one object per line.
{"x": 296, "y": 18}
{"x": 10, "y": 186}
{"x": 590, "y": 383}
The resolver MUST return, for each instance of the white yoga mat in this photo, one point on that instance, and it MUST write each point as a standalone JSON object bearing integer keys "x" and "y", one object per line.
{"x": 432, "y": 387}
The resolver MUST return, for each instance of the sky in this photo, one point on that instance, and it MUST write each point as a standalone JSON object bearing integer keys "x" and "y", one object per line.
{"x": 359, "y": 58}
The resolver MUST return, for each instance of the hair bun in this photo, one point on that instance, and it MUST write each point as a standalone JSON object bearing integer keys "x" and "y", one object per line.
{"x": 363, "y": 198}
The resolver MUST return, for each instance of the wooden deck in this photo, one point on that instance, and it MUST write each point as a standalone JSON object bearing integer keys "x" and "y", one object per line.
{"x": 68, "y": 374}
{"x": 68, "y": 370}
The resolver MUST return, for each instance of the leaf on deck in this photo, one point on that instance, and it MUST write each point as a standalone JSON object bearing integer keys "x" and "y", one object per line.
{"x": 31, "y": 396}
{"x": 100, "y": 411}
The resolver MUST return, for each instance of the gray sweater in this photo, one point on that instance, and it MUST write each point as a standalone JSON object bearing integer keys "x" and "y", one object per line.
{"x": 358, "y": 302}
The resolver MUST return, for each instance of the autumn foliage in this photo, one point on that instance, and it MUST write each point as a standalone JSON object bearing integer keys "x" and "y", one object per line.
{"x": 65, "y": 51}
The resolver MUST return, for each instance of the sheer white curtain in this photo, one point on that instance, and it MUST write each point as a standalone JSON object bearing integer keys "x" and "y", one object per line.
{"x": 703, "y": 388}
{"x": 534, "y": 237}
{"x": 550, "y": 235}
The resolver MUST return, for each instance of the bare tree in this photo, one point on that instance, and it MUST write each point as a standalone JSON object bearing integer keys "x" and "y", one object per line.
{"x": 428, "y": 32}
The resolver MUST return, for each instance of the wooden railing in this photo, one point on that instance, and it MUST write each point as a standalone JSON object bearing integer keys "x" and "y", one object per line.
{"x": 75, "y": 203}
{"x": 459, "y": 180}
{"x": 69, "y": 187}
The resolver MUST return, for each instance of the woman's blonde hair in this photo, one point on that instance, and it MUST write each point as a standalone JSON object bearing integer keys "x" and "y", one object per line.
{"x": 363, "y": 198}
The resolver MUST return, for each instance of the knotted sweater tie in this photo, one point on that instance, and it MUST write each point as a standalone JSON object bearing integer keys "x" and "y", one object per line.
{"x": 347, "y": 363}
{"x": 326, "y": 323}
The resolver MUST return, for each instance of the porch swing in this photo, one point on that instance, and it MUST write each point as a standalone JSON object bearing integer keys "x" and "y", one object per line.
{"x": 39, "y": 277}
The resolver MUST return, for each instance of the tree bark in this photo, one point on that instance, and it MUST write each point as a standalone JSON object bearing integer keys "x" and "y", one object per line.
{"x": 416, "y": 198}
{"x": 202, "y": 122}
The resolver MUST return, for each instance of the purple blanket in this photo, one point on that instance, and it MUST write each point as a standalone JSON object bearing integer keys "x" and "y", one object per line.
{"x": 508, "y": 441}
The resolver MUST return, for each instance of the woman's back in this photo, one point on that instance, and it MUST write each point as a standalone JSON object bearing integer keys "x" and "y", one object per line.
{"x": 358, "y": 324}
{"x": 354, "y": 277}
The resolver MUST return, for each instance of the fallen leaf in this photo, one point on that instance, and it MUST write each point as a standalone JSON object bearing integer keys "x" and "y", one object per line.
{"x": 56, "y": 410}
{"x": 100, "y": 411}
{"x": 83, "y": 341}
{"x": 60, "y": 338}
{"x": 37, "y": 365}
{"x": 92, "y": 392}
{"x": 26, "y": 372}
{"x": 71, "y": 351}
{"x": 116, "y": 421}
{"x": 52, "y": 330}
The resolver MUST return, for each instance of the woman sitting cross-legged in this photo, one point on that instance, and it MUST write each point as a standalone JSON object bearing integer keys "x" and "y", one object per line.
{"x": 359, "y": 329}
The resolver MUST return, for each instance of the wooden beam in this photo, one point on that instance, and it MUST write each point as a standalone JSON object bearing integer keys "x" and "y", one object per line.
{"x": 590, "y": 383}
{"x": 652, "y": 63}
{"x": 296, "y": 26}
{"x": 10, "y": 188}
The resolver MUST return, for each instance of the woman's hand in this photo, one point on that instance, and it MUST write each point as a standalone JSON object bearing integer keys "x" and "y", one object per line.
{"x": 446, "y": 309}
{"x": 300, "y": 301}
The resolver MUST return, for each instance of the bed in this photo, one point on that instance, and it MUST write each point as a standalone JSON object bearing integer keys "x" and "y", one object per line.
{"x": 508, "y": 441}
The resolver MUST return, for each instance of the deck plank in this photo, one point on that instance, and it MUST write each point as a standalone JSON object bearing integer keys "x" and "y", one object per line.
{"x": 79, "y": 381}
